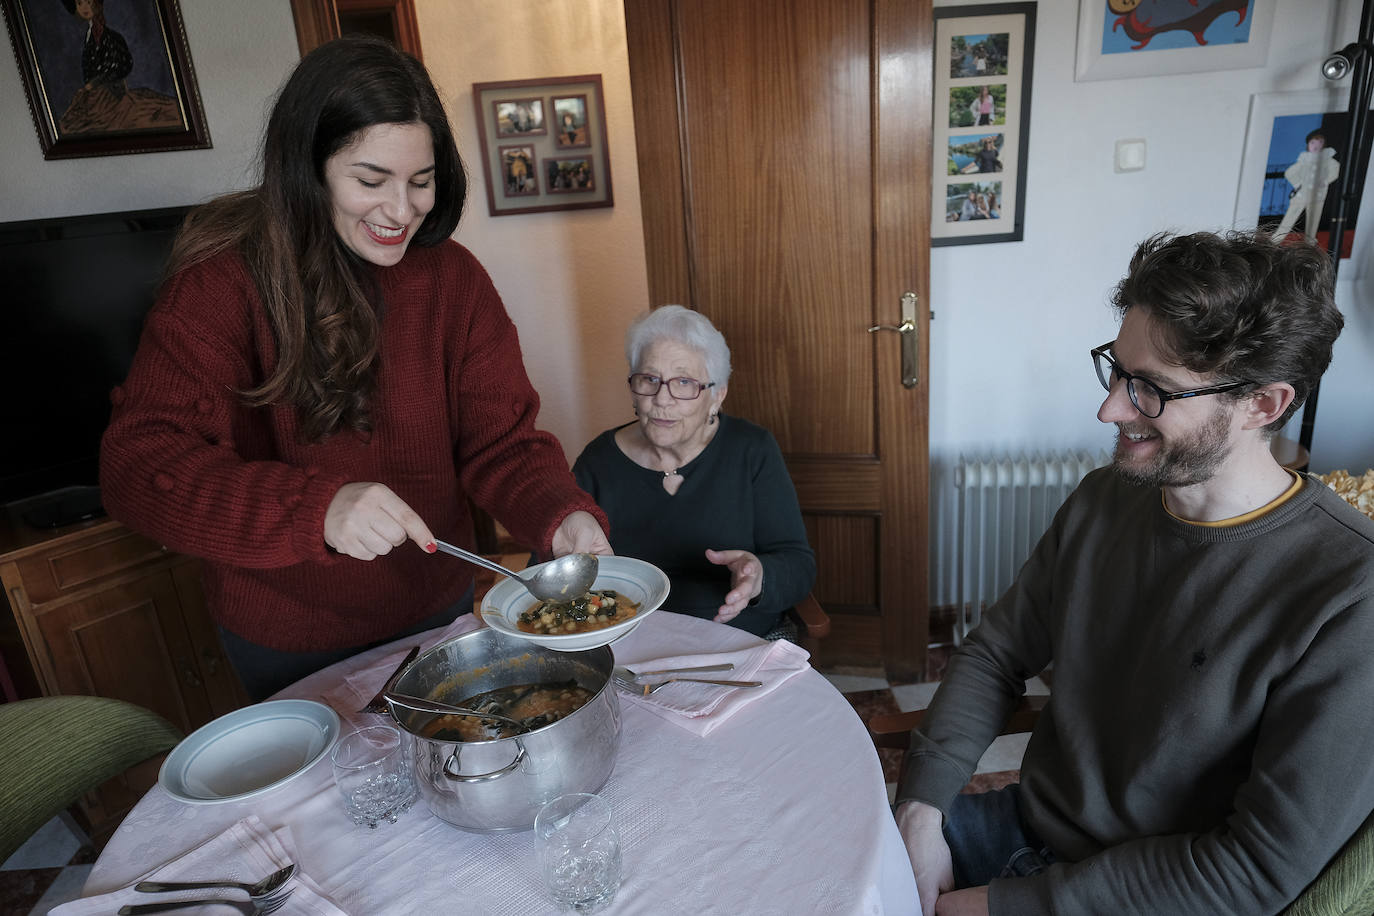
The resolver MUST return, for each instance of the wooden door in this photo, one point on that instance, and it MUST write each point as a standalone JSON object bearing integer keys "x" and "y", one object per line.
{"x": 784, "y": 161}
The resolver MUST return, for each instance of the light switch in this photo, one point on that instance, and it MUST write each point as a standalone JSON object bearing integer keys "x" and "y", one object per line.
{"x": 1130, "y": 155}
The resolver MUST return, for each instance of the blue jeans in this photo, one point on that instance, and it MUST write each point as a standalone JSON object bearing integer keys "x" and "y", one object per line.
{"x": 264, "y": 671}
{"x": 987, "y": 839}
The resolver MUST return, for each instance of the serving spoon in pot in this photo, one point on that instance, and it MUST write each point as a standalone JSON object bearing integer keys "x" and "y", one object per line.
{"x": 420, "y": 704}
{"x": 563, "y": 579}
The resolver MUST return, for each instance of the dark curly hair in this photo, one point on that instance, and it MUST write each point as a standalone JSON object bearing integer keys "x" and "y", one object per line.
{"x": 1238, "y": 306}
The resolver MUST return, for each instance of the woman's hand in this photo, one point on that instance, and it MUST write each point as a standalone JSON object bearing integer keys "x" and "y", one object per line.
{"x": 366, "y": 520}
{"x": 580, "y": 533}
{"x": 746, "y": 580}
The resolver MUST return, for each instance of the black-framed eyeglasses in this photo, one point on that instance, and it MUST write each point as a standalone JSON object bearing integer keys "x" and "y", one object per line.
{"x": 682, "y": 388}
{"x": 1147, "y": 397}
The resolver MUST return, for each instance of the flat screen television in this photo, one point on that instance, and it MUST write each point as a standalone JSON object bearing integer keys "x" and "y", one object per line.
{"x": 76, "y": 290}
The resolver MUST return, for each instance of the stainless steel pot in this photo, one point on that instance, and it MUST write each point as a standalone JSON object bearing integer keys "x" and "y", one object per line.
{"x": 499, "y": 785}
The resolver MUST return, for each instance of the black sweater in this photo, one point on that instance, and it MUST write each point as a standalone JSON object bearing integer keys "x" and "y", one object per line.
{"x": 735, "y": 495}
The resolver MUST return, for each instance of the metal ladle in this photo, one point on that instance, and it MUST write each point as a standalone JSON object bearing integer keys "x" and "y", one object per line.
{"x": 420, "y": 704}
{"x": 563, "y": 579}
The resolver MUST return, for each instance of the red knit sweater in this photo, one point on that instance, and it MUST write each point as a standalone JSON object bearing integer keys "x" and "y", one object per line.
{"x": 188, "y": 463}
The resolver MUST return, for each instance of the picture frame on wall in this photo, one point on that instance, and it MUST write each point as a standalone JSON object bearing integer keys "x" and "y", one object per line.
{"x": 107, "y": 79}
{"x": 570, "y": 175}
{"x": 519, "y": 117}
{"x": 1296, "y": 146}
{"x": 544, "y": 144}
{"x": 570, "y": 121}
{"x": 981, "y": 131}
{"x": 1117, "y": 39}
{"x": 519, "y": 170}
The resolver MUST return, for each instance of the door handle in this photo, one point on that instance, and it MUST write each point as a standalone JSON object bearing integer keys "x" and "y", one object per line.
{"x": 909, "y": 333}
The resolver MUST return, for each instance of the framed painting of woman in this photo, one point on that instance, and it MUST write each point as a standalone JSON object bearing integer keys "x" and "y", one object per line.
{"x": 106, "y": 78}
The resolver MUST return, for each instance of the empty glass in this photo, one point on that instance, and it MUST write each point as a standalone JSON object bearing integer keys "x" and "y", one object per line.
{"x": 372, "y": 771}
{"x": 579, "y": 851}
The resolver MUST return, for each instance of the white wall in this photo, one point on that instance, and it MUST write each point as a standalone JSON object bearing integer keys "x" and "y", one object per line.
{"x": 572, "y": 280}
{"x": 241, "y": 52}
{"x": 1014, "y": 321}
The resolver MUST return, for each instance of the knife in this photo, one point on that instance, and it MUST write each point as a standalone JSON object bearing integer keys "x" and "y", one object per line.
{"x": 378, "y": 705}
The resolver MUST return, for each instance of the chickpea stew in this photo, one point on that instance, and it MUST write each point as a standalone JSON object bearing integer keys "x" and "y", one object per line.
{"x": 592, "y": 611}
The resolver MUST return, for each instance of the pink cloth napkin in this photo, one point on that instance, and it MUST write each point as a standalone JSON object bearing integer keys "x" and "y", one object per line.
{"x": 362, "y": 685}
{"x": 247, "y": 852}
{"x": 701, "y": 708}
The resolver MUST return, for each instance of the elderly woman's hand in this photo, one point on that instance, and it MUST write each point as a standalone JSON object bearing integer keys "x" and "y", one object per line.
{"x": 746, "y": 580}
{"x": 580, "y": 533}
{"x": 366, "y": 520}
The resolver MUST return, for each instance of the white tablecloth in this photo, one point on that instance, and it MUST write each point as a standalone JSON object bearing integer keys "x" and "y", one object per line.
{"x": 781, "y": 810}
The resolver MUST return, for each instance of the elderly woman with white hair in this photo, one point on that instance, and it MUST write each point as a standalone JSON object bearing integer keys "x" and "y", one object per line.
{"x": 702, "y": 495}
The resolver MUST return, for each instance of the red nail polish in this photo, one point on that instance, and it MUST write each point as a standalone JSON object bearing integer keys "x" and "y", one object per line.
{"x": 431, "y": 547}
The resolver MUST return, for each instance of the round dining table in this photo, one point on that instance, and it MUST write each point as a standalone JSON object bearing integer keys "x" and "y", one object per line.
{"x": 781, "y": 809}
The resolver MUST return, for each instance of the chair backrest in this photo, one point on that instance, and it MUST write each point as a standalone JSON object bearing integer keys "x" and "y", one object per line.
{"x": 57, "y": 748}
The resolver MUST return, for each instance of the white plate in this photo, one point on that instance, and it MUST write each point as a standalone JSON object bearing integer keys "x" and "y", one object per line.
{"x": 641, "y": 582}
{"x": 249, "y": 751}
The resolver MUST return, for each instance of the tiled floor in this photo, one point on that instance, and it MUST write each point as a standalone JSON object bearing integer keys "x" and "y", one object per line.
{"x": 52, "y": 867}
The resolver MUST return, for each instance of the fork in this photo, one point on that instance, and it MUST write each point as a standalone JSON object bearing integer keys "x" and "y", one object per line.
{"x": 247, "y": 907}
{"x": 646, "y": 689}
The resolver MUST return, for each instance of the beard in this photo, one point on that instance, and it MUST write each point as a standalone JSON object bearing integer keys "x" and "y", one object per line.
{"x": 1181, "y": 462}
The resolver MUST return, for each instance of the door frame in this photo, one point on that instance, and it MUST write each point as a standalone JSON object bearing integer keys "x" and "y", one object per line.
{"x": 317, "y": 21}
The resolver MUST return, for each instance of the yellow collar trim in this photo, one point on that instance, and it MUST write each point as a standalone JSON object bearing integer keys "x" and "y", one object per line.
{"x": 1253, "y": 513}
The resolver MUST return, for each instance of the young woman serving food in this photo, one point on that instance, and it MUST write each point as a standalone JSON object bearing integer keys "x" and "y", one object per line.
{"x": 326, "y": 376}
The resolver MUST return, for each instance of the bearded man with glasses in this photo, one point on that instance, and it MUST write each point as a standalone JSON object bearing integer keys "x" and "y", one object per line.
{"x": 1209, "y": 615}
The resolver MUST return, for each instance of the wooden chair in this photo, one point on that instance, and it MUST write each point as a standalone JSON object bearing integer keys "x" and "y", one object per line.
{"x": 1345, "y": 886}
{"x": 57, "y": 748}
{"x": 812, "y": 623}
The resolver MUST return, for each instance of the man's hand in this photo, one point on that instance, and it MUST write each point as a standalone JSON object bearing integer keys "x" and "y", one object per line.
{"x": 366, "y": 520}
{"x": 971, "y": 901}
{"x": 746, "y": 580}
{"x": 920, "y": 826}
{"x": 580, "y": 533}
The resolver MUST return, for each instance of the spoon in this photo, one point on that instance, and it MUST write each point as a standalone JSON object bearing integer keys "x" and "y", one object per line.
{"x": 419, "y": 704}
{"x": 264, "y": 888}
{"x": 563, "y": 579}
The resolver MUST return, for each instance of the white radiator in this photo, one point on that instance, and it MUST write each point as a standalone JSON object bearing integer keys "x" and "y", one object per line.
{"x": 1004, "y": 505}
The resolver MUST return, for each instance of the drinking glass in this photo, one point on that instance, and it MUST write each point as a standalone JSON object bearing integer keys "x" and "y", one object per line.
{"x": 372, "y": 771}
{"x": 579, "y": 851}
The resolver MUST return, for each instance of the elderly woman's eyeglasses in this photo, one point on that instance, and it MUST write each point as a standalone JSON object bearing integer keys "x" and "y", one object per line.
{"x": 1147, "y": 397}
{"x": 682, "y": 388}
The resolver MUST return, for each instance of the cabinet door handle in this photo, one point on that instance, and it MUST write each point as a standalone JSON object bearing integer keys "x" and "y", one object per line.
{"x": 188, "y": 674}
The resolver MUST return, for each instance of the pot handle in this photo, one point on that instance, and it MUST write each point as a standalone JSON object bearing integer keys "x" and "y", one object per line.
{"x": 452, "y": 764}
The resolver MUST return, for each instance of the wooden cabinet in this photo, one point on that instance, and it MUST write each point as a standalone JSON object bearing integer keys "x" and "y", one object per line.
{"x": 102, "y": 611}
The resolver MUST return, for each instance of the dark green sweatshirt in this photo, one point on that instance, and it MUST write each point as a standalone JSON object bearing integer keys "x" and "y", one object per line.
{"x": 1208, "y": 744}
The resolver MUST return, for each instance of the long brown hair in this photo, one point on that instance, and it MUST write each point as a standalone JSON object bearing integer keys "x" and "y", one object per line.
{"x": 321, "y": 299}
